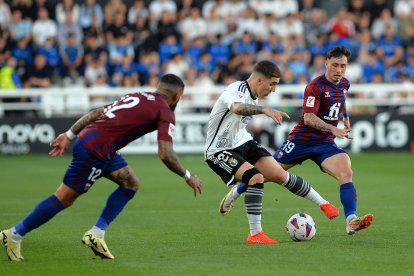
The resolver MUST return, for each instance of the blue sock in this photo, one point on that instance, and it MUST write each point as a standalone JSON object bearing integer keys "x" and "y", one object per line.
{"x": 348, "y": 198}
{"x": 114, "y": 205}
{"x": 41, "y": 214}
{"x": 241, "y": 188}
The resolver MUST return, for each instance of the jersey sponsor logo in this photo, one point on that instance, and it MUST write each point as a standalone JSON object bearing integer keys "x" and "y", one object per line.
{"x": 310, "y": 101}
{"x": 241, "y": 96}
{"x": 327, "y": 94}
{"x": 171, "y": 130}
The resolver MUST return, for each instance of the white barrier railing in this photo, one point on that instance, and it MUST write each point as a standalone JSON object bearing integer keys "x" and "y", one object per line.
{"x": 78, "y": 100}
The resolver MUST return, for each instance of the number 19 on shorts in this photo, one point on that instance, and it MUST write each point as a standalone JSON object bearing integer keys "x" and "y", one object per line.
{"x": 288, "y": 147}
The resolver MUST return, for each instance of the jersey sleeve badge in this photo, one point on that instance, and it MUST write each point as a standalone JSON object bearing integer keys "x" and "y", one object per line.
{"x": 171, "y": 130}
{"x": 310, "y": 101}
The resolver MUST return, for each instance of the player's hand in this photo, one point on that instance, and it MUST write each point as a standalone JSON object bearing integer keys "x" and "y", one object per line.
{"x": 347, "y": 124}
{"x": 342, "y": 133}
{"x": 195, "y": 183}
{"x": 276, "y": 115}
{"x": 59, "y": 145}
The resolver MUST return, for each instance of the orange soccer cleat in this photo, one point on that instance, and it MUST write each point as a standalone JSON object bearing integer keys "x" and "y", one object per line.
{"x": 260, "y": 238}
{"x": 357, "y": 224}
{"x": 330, "y": 210}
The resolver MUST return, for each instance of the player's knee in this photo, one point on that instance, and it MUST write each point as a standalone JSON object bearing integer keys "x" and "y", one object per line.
{"x": 345, "y": 176}
{"x": 252, "y": 176}
{"x": 128, "y": 179}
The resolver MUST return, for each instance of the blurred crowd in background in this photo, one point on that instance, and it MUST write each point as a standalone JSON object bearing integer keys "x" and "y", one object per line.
{"x": 128, "y": 43}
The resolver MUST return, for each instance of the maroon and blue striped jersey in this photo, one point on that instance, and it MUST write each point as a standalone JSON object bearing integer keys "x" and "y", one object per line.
{"x": 326, "y": 100}
{"x": 127, "y": 119}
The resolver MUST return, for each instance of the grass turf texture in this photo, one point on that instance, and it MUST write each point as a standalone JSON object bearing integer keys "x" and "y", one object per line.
{"x": 164, "y": 230}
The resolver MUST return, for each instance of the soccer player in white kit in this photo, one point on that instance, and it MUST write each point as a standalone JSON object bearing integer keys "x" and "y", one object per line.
{"x": 231, "y": 152}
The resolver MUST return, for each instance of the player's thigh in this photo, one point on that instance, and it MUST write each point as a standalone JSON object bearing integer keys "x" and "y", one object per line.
{"x": 226, "y": 164}
{"x": 121, "y": 173}
{"x": 271, "y": 169}
{"x": 291, "y": 153}
{"x": 338, "y": 166}
{"x": 83, "y": 170}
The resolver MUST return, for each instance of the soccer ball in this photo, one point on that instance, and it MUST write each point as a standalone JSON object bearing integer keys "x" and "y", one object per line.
{"x": 301, "y": 227}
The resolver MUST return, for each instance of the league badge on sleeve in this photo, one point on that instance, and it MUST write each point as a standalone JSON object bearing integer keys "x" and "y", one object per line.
{"x": 171, "y": 130}
{"x": 310, "y": 101}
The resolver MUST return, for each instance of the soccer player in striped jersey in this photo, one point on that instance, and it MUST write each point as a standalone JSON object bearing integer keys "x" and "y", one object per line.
{"x": 312, "y": 138}
{"x": 100, "y": 134}
{"x": 231, "y": 152}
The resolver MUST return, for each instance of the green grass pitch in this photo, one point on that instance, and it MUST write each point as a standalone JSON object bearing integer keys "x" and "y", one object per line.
{"x": 164, "y": 230}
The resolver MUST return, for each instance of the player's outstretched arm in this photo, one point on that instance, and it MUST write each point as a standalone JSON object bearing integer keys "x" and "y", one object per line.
{"x": 317, "y": 123}
{"x": 62, "y": 142}
{"x": 170, "y": 159}
{"x": 250, "y": 109}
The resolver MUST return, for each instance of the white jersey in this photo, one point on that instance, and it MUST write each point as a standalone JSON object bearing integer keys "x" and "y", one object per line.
{"x": 225, "y": 129}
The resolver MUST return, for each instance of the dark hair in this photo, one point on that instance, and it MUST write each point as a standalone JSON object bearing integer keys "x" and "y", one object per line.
{"x": 338, "y": 51}
{"x": 267, "y": 69}
{"x": 171, "y": 79}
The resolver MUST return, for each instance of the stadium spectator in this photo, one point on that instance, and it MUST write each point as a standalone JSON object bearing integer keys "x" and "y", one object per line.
{"x": 38, "y": 75}
{"x": 166, "y": 26}
{"x": 69, "y": 27}
{"x": 48, "y": 5}
{"x": 193, "y": 26}
{"x": 232, "y": 153}
{"x": 43, "y": 28}
{"x": 88, "y": 10}
{"x": 26, "y": 7}
{"x": 113, "y": 8}
{"x": 71, "y": 55}
{"x": 5, "y": 14}
{"x": 118, "y": 50}
{"x": 119, "y": 27}
{"x": 126, "y": 74}
{"x": 67, "y": 7}
{"x": 9, "y": 79}
{"x": 169, "y": 47}
{"x": 24, "y": 55}
{"x": 158, "y": 7}
{"x": 384, "y": 21}
{"x": 95, "y": 70}
{"x": 389, "y": 47}
{"x": 100, "y": 134}
{"x": 19, "y": 28}
{"x": 184, "y": 8}
{"x": 137, "y": 10}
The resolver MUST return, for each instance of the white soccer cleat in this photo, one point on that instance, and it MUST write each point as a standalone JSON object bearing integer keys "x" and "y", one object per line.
{"x": 227, "y": 202}
{"x": 12, "y": 246}
{"x": 357, "y": 224}
{"x": 97, "y": 245}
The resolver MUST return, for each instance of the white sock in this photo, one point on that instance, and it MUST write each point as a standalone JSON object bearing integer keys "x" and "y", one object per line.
{"x": 15, "y": 236}
{"x": 98, "y": 232}
{"x": 350, "y": 217}
{"x": 315, "y": 197}
{"x": 255, "y": 222}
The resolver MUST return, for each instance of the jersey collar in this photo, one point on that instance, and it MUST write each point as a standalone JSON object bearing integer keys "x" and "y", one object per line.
{"x": 250, "y": 91}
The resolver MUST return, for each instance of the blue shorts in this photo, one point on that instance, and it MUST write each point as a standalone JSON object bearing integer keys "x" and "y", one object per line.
{"x": 293, "y": 152}
{"x": 85, "y": 168}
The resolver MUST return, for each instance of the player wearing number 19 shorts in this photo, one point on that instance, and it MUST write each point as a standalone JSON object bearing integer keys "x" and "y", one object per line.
{"x": 313, "y": 137}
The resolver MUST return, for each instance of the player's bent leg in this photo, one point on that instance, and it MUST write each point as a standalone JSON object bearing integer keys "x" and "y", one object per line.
{"x": 12, "y": 246}
{"x": 356, "y": 224}
{"x": 97, "y": 245}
